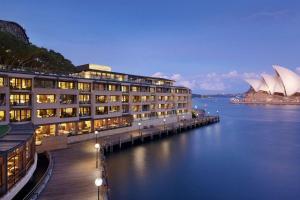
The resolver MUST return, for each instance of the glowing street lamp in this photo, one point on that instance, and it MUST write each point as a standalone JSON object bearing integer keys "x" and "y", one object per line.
{"x": 164, "y": 124}
{"x": 98, "y": 183}
{"x": 97, "y": 147}
{"x": 96, "y": 133}
{"x": 140, "y": 127}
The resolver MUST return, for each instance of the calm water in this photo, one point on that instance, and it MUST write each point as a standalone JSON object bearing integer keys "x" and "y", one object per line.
{"x": 253, "y": 153}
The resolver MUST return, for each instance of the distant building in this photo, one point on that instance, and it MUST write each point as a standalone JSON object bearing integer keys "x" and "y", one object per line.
{"x": 285, "y": 82}
{"x": 15, "y": 29}
{"x": 282, "y": 88}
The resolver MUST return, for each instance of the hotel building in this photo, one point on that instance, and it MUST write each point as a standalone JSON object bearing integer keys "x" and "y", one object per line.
{"x": 69, "y": 108}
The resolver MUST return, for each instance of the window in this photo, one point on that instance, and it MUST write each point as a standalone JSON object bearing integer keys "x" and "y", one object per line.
{"x": 134, "y": 88}
{"x": 84, "y": 86}
{"x": 113, "y": 109}
{"x": 99, "y": 87}
{"x": 20, "y": 115}
{"x": 2, "y": 82}
{"x": 114, "y": 98}
{"x": 19, "y": 99}
{"x": 44, "y": 131}
{"x": 2, "y": 115}
{"x": 45, "y": 98}
{"x": 84, "y": 127}
{"x": 67, "y": 112}
{"x": 45, "y": 113}
{"x": 2, "y": 100}
{"x": 101, "y": 110}
{"x": 84, "y": 111}
{"x": 66, "y": 85}
{"x": 125, "y": 99}
{"x": 44, "y": 83}
{"x": 20, "y": 84}
{"x": 14, "y": 167}
{"x": 67, "y": 99}
{"x": 66, "y": 128}
{"x": 125, "y": 88}
{"x": 84, "y": 99}
{"x": 112, "y": 87}
{"x": 101, "y": 99}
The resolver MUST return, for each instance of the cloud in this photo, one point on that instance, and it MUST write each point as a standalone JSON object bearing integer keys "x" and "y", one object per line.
{"x": 298, "y": 70}
{"x": 214, "y": 82}
{"x": 268, "y": 14}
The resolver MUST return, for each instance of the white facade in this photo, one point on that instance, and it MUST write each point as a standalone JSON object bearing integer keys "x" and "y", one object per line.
{"x": 285, "y": 82}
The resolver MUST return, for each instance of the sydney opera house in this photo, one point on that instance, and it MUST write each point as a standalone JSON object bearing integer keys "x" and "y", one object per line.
{"x": 281, "y": 88}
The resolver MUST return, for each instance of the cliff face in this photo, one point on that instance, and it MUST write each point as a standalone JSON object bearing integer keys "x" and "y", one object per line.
{"x": 17, "y": 53}
{"x": 14, "y": 29}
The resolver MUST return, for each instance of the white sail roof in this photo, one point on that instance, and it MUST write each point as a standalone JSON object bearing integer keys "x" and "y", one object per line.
{"x": 285, "y": 81}
{"x": 290, "y": 80}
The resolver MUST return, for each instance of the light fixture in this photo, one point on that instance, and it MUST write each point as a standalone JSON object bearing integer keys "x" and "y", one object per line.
{"x": 96, "y": 132}
{"x": 97, "y": 146}
{"x": 98, "y": 182}
{"x": 164, "y": 119}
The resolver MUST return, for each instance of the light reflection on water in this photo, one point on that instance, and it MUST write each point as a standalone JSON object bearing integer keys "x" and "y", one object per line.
{"x": 253, "y": 153}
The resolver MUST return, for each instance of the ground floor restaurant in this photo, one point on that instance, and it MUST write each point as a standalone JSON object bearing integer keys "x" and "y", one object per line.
{"x": 81, "y": 127}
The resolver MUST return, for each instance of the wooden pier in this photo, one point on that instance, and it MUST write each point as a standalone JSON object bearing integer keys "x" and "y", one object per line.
{"x": 119, "y": 141}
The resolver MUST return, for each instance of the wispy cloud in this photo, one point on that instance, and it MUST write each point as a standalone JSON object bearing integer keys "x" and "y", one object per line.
{"x": 214, "y": 82}
{"x": 268, "y": 14}
{"x": 298, "y": 70}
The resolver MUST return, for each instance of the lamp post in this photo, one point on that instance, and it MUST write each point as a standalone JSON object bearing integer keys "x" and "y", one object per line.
{"x": 97, "y": 146}
{"x": 96, "y": 133}
{"x": 98, "y": 183}
{"x": 164, "y": 124}
{"x": 140, "y": 127}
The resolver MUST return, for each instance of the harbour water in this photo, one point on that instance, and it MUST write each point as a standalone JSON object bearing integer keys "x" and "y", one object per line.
{"x": 253, "y": 153}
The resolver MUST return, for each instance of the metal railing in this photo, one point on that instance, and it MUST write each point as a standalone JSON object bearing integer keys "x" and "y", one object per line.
{"x": 41, "y": 184}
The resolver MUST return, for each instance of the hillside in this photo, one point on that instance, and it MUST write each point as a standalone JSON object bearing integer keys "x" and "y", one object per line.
{"x": 15, "y": 53}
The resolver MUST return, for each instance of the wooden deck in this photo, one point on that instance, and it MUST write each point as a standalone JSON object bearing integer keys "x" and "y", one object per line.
{"x": 75, "y": 171}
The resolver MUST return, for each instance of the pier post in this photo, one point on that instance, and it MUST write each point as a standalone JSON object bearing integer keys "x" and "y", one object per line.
{"x": 120, "y": 143}
{"x": 132, "y": 141}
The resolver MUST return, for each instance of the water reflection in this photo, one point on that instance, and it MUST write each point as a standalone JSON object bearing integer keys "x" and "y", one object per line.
{"x": 253, "y": 153}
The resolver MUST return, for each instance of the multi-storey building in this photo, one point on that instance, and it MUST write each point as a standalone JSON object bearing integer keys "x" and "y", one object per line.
{"x": 72, "y": 106}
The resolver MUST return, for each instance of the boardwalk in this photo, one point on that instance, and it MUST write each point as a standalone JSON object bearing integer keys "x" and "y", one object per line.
{"x": 75, "y": 171}
{"x": 74, "y": 174}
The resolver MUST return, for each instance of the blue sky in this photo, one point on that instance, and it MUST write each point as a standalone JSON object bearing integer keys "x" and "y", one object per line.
{"x": 207, "y": 45}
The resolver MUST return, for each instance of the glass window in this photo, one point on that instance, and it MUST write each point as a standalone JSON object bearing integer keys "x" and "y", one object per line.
{"x": 14, "y": 167}
{"x": 84, "y": 98}
{"x": 2, "y": 82}
{"x": 84, "y": 86}
{"x": 84, "y": 111}
{"x": 20, "y": 115}
{"x": 20, "y": 84}
{"x": 44, "y": 83}
{"x": 44, "y": 131}
{"x": 114, "y": 98}
{"x": 67, "y": 112}
{"x": 45, "y": 98}
{"x": 100, "y": 124}
{"x": 101, "y": 99}
{"x": 84, "y": 127}
{"x": 67, "y": 99}
{"x": 66, "y": 128}
{"x": 101, "y": 110}
{"x": 20, "y": 99}
{"x": 2, "y": 115}
{"x": 66, "y": 85}
{"x": 45, "y": 113}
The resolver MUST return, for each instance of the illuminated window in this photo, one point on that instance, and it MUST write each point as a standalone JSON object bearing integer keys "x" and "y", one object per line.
{"x": 2, "y": 82}
{"x": 101, "y": 110}
{"x": 67, "y": 99}
{"x": 19, "y": 99}
{"x": 125, "y": 88}
{"x": 44, "y": 131}
{"x": 113, "y": 109}
{"x": 45, "y": 98}
{"x": 67, "y": 128}
{"x": 114, "y": 98}
{"x": 101, "y": 99}
{"x": 45, "y": 113}
{"x": 84, "y": 127}
{"x": 2, "y": 115}
{"x": 84, "y": 86}
{"x": 67, "y": 112}
{"x": 66, "y": 85}
{"x": 134, "y": 88}
{"x": 20, "y": 84}
{"x": 84, "y": 111}
{"x": 20, "y": 115}
{"x": 84, "y": 99}
{"x": 112, "y": 87}
{"x": 125, "y": 98}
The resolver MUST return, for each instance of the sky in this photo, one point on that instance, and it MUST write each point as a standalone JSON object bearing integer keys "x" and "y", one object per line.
{"x": 208, "y": 45}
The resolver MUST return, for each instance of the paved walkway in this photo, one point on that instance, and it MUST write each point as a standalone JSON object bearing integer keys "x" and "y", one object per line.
{"x": 74, "y": 173}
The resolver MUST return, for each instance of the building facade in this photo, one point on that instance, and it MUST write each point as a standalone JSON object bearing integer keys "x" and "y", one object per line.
{"x": 63, "y": 107}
